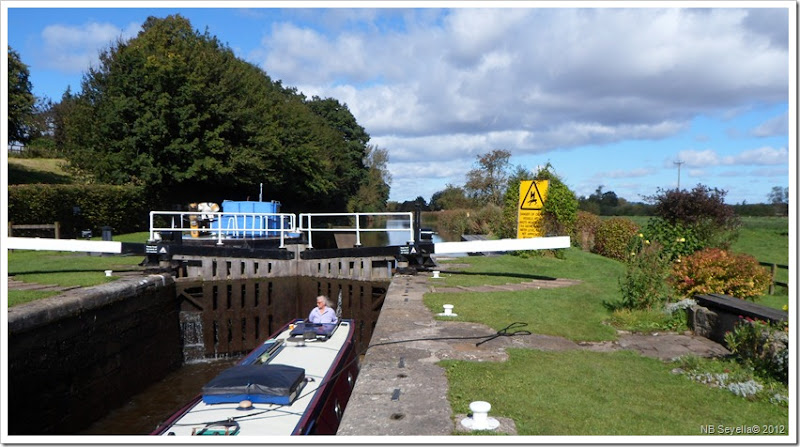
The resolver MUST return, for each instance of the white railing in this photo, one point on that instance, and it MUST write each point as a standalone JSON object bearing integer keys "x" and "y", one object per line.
{"x": 224, "y": 225}
{"x": 307, "y": 226}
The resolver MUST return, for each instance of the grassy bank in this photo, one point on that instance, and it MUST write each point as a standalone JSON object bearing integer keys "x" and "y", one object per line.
{"x": 574, "y": 312}
{"x": 578, "y": 393}
{"x": 66, "y": 269}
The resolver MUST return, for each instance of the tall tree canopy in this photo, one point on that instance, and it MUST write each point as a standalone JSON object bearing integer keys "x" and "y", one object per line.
{"x": 487, "y": 181}
{"x": 175, "y": 110}
{"x": 21, "y": 101}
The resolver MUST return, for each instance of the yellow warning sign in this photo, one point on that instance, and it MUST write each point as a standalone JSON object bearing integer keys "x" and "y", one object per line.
{"x": 532, "y": 194}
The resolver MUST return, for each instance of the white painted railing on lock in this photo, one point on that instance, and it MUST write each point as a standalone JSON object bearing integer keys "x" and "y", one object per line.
{"x": 307, "y": 220}
{"x": 237, "y": 225}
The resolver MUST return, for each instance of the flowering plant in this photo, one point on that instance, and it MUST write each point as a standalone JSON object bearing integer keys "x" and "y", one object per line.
{"x": 717, "y": 271}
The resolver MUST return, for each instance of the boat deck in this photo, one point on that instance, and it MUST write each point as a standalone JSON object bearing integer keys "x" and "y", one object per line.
{"x": 317, "y": 357}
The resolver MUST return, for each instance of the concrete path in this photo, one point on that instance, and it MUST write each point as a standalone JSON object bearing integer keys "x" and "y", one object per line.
{"x": 401, "y": 391}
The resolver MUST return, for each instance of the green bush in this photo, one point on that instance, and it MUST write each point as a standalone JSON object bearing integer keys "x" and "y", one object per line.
{"x": 612, "y": 238}
{"x": 675, "y": 239}
{"x": 79, "y": 207}
{"x": 762, "y": 346}
{"x": 717, "y": 271}
{"x": 586, "y": 225}
{"x": 644, "y": 285}
{"x": 703, "y": 210}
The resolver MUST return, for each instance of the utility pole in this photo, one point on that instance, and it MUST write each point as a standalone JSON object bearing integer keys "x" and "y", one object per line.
{"x": 679, "y": 163}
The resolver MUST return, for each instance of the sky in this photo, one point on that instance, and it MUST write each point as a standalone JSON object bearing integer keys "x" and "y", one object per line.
{"x": 630, "y": 97}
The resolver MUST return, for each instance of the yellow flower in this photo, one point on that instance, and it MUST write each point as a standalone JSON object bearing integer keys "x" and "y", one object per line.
{"x": 641, "y": 235}
{"x": 647, "y": 241}
{"x": 785, "y": 308}
{"x": 682, "y": 240}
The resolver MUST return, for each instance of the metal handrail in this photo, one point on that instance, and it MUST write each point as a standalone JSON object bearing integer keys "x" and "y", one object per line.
{"x": 179, "y": 221}
{"x": 306, "y": 217}
{"x": 262, "y": 229}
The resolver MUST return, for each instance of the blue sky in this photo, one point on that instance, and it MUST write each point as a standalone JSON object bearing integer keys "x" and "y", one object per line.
{"x": 609, "y": 96}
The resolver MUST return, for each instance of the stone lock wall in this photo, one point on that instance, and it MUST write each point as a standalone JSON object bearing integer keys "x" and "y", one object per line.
{"x": 75, "y": 357}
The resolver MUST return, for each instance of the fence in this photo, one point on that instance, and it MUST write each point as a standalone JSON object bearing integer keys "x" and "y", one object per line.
{"x": 773, "y": 268}
{"x": 55, "y": 226}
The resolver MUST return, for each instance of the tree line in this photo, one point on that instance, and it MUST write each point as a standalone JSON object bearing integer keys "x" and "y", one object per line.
{"x": 487, "y": 181}
{"x": 173, "y": 110}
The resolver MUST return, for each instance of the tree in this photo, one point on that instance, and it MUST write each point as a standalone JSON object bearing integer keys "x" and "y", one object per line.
{"x": 450, "y": 198}
{"x": 561, "y": 206}
{"x": 373, "y": 193}
{"x": 175, "y": 110}
{"x": 21, "y": 102}
{"x": 779, "y": 198}
{"x": 487, "y": 181}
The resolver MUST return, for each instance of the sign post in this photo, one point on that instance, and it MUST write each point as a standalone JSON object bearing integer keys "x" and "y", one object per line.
{"x": 530, "y": 213}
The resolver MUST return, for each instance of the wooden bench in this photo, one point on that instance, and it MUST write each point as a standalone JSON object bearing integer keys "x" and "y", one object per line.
{"x": 716, "y": 314}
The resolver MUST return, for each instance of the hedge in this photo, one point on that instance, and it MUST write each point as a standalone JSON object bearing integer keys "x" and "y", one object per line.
{"x": 80, "y": 207}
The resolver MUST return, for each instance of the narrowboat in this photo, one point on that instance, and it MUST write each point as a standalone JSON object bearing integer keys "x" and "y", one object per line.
{"x": 298, "y": 382}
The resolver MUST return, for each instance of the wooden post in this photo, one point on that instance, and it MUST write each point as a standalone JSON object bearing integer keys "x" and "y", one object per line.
{"x": 10, "y": 229}
{"x": 773, "y": 269}
{"x": 57, "y": 229}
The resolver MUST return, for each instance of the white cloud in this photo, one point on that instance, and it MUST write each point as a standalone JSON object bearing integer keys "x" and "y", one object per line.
{"x": 708, "y": 158}
{"x": 775, "y": 126}
{"x": 564, "y": 77}
{"x": 73, "y": 49}
{"x": 633, "y": 173}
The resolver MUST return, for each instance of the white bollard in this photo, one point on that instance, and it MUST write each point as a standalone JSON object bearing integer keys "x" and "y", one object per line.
{"x": 448, "y": 311}
{"x": 480, "y": 419}
{"x": 436, "y": 274}
{"x": 108, "y": 272}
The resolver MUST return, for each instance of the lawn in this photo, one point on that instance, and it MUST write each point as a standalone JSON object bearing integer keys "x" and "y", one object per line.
{"x": 547, "y": 311}
{"x": 578, "y": 393}
{"x": 67, "y": 269}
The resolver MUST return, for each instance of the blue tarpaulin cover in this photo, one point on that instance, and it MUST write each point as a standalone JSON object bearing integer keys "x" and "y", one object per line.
{"x": 275, "y": 384}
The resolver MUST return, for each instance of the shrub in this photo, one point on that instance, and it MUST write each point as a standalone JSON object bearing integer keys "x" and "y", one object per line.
{"x": 644, "y": 285}
{"x": 762, "y": 346}
{"x": 676, "y": 240}
{"x": 703, "y": 210}
{"x": 483, "y": 220}
{"x": 717, "y": 271}
{"x": 586, "y": 225}
{"x": 124, "y": 208}
{"x": 613, "y": 237}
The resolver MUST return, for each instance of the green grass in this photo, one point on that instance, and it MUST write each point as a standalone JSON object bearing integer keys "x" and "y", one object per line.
{"x": 575, "y": 312}
{"x": 17, "y": 297}
{"x": 63, "y": 269}
{"x": 37, "y": 170}
{"x": 580, "y": 393}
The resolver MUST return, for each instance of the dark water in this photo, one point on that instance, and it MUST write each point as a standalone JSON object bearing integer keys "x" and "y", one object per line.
{"x": 142, "y": 414}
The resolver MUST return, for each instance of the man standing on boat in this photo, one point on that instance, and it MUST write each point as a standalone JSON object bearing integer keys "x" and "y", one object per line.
{"x": 323, "y": 313}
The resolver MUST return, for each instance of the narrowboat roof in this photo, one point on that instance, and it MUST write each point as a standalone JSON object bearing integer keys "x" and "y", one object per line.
{"x": 318, "y": 357}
